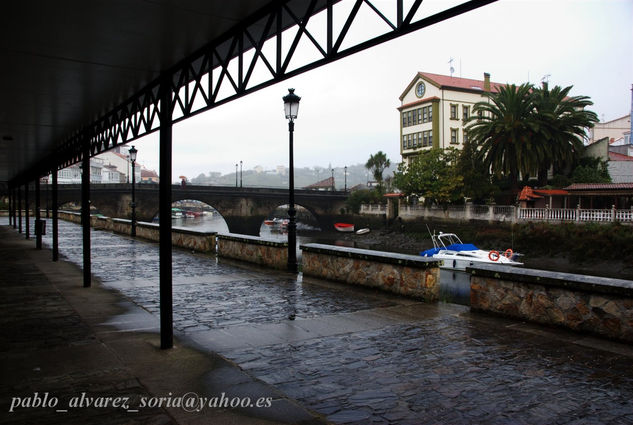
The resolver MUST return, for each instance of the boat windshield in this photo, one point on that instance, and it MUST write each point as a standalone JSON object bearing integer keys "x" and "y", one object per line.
{"x": 449, "y": 239}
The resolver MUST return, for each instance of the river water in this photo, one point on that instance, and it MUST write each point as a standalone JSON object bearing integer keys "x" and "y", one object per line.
{"x": 454, "y": 285}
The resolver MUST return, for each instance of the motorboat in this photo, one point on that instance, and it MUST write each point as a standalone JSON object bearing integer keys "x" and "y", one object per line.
{"x": 344, "y": 227}
{"x": 362, "y": 231}
{"x": 457, "y": 255}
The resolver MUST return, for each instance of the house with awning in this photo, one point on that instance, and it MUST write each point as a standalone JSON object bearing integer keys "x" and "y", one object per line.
{"x": 543, "y": 198}
{"x": 583, "y": 195}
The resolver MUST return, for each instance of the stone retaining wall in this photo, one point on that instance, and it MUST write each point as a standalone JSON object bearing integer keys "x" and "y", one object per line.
{"x": 592, "y": 304}
{"x": 254, "y": 249}
{"x": 408, "y": 275}
{"x": 181, "y": 237}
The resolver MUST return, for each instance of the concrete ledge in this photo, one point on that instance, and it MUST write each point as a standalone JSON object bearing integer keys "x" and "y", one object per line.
{"x": 253, "y": 249}
{"x": 592, "y": 304}
{"x": 181, "y": 237}
{"x": 409, "y": 275}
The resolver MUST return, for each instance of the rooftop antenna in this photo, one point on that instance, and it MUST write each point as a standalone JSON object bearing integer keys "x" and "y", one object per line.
{"x": 545, "y": 78}
{"x": 451, "y": 64}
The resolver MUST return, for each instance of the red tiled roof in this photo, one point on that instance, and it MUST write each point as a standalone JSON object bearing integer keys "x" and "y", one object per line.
{"x": 529, "y": 194}
{"x": 551, "y": 192}
{"x": 418, "y": 102}
{"x": 614, "y": 156}
{"x": 599, "y": 186}
{"x": 329, "y": 182}
{"x": 148, "y": 173}
{"x": 459, "y": 83}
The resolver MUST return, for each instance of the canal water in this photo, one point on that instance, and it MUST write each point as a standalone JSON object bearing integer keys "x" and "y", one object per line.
{"x": 454, "y": 285}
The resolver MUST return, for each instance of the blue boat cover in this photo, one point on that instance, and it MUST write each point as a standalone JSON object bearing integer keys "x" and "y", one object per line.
{"x": 454, "y": 247}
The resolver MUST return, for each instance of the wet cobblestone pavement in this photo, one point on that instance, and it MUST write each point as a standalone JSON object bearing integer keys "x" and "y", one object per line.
{"x": 361, "y": 357}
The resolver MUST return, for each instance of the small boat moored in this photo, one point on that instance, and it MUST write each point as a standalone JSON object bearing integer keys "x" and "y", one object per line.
{"x": 362, "y": 231}
{"x": 344, "y": 227}
{"x": 457, "y": 255}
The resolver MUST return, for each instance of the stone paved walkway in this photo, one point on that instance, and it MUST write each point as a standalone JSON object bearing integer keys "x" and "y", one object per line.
{"x": 360, "y": 356}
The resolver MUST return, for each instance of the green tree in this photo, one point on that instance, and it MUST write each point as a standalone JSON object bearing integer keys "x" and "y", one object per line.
{"x": 562, "y": 121}
{"x": 377, "y": 164}
{"x": 504, "y": 128}
{"x": 478, "y": 183}
{"x": 358, "y": 197}
{"x": 432, "y": 175}
{"x": 591, "y": 170}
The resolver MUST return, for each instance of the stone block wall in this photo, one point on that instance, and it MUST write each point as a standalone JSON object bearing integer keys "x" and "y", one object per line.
{"x": 254, "y": 249}
{"x": 590, "y": 304}
{"x": 408, "y": 275}
{"x": 181, "y": 237}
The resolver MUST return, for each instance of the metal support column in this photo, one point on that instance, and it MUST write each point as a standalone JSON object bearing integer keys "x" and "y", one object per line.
{"x": 27, "y": 224}
{"x": 85, "y": 212}
{"x": 38, "y": 221}
{"x": 10, "y": 205}
{"x": 164, "y": 212}
{"x": 19, "y": 209}
{"x": 15, "y": 225}
{"x": 55, "y": 224}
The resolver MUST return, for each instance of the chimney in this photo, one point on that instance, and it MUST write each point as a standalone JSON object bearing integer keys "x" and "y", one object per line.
{"x": 486, "y": 81}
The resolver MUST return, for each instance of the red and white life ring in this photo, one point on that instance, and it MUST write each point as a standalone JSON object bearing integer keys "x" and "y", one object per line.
{"x": 493, "y": 255}
{"x": 508, "y": 253}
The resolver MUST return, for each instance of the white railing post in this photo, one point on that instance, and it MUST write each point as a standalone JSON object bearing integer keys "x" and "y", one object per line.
{"x": 613, "y": 213}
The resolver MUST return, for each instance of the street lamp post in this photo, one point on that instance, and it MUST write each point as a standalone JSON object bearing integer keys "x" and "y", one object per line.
{"x": 235, "y": 175}
{"x": 132, "y": 153}
{"x": 346, "y": 178}
{"x": 332, "y": 179}
{"x": 240, "y": 173}
{"x": 291, "y": 108}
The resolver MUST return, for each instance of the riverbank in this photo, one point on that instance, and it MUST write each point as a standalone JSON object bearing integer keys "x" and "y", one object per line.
{"x": 592, "y": 249}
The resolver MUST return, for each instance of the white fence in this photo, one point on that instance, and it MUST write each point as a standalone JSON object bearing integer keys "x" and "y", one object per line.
{"x": 494, "y": 213}
{"x": 578, "y": 214}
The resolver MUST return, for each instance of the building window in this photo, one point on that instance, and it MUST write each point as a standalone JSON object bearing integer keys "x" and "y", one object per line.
{"x": 415, "y": 140}
{"x": 426, "y": 138}
{"x": 465, "y": 112}
{"x": 424, "y": 115}
{"x": 419, "y": 115}
{"x": 465, "y": 136}
{"x": 430, "y": 108}
{"x": 409, "y": 118}
{"x": 409, "y": 139}
{"x": 453, "y": 111}
{"x": 404, "y": 142}
{"x": 404, "y": 119}
{"x": 454, "y": 139}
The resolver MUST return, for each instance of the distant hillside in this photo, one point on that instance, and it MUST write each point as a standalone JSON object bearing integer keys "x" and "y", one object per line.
{"x": 356, "y": 174}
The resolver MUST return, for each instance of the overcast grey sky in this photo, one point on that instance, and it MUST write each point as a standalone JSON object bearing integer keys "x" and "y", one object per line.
{"x": 348, "y": 108}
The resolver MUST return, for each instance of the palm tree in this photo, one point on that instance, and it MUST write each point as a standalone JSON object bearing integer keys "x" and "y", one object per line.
{"x": 562, "y": 123}
{"x": 377, "y": 163}
{"x": 504, "y": 129}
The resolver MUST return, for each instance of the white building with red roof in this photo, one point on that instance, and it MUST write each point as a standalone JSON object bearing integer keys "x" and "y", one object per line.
{"x": 433, "y": 109}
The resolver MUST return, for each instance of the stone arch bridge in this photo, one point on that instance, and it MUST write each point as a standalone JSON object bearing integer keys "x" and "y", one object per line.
{"x": 243, "y": 209}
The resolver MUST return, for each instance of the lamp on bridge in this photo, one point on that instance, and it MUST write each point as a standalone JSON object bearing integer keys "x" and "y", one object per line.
{"x": 291, "y": 107}
{"x": 132, "y": 153}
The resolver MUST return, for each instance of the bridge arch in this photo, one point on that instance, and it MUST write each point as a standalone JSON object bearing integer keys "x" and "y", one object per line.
{"x": 243, "y": 209}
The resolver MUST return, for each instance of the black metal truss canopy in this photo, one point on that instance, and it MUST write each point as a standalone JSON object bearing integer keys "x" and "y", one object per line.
{"x": 253, "y": 44}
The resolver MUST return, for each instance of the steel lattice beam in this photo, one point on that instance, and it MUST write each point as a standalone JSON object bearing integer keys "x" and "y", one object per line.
{"x": 197, "y": 82}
